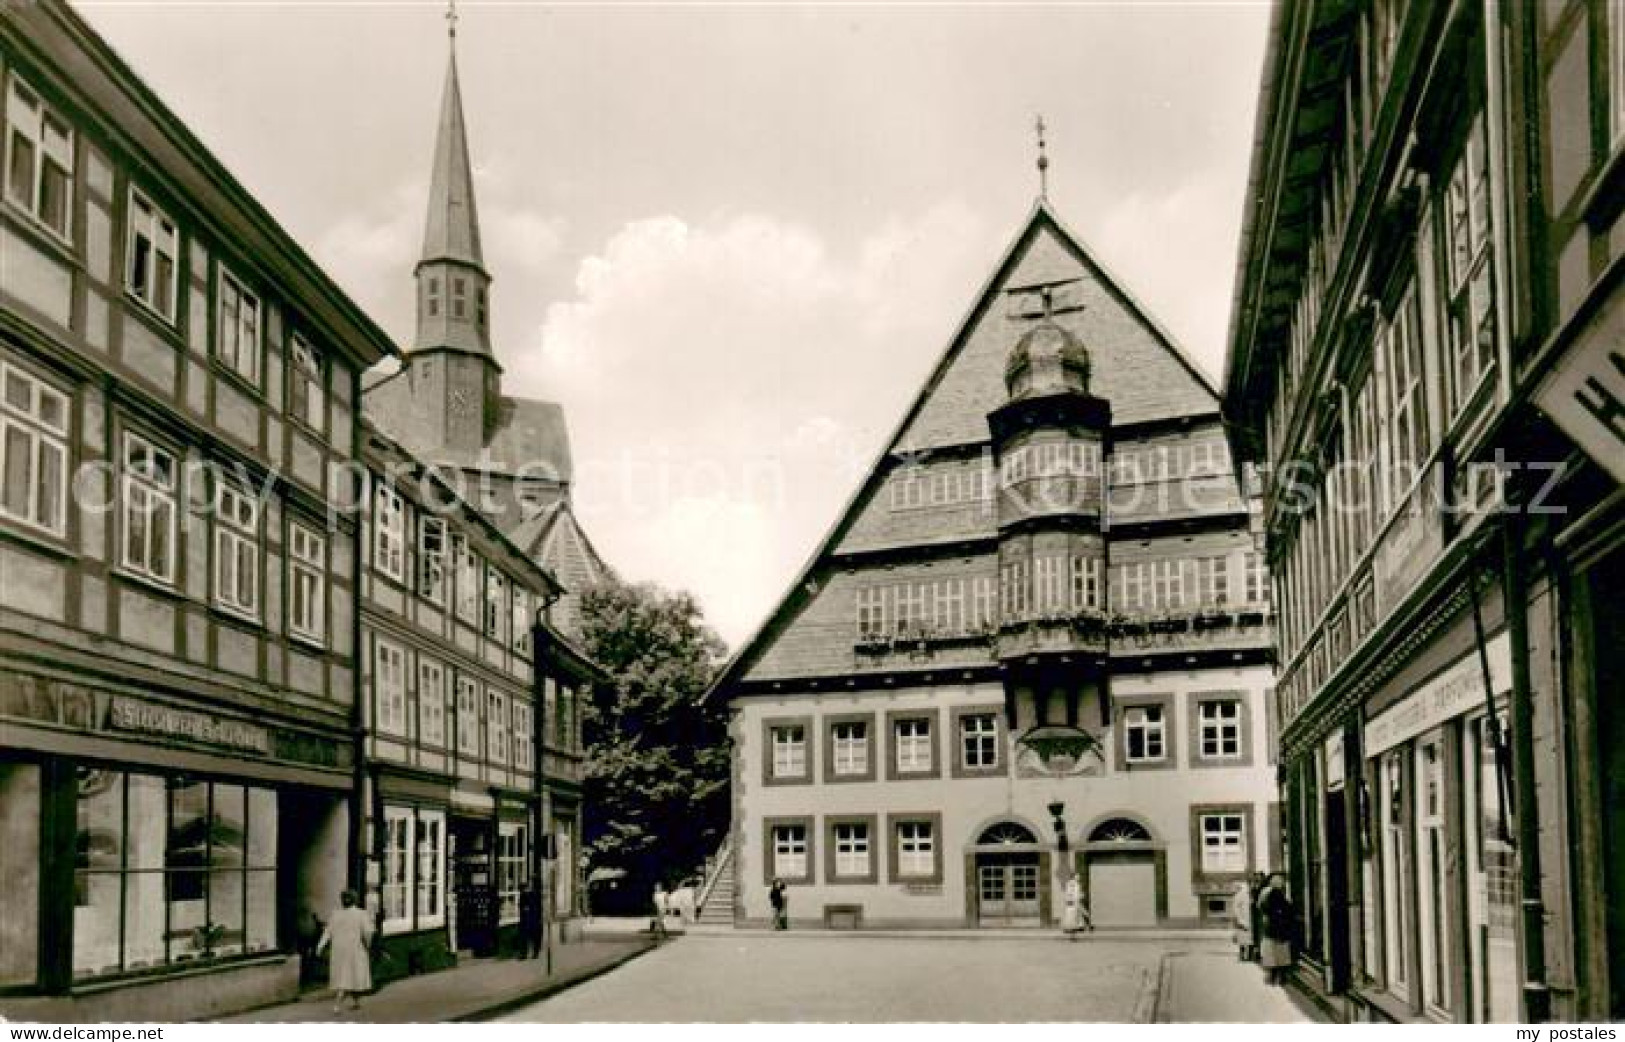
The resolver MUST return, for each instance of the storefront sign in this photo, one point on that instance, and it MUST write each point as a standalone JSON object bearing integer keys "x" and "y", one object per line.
{"x": 1459, "y": 689}
{"x": 1413, "y": 541}
{"x": 1585, "y": 394}
{"x": 129, "y": 714}
{"x": 1334, "y": 762}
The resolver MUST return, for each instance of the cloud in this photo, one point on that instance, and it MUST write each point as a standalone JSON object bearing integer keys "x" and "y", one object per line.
{"x": 760, "y": 370}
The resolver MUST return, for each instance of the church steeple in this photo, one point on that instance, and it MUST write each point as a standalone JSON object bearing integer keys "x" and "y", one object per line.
{"x": 453, "y": 285}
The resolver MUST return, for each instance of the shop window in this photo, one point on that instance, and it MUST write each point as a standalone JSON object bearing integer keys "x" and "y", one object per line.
{"x": 154, "y": 246}
{"x": 236, "y": 551}
{"x": 1432, "y": 904}
{"x": 1395, "y": 873}
{"x": 170, "y": 870}
{"x": 237, "y": 328}
{"x": 39, "y": 175}
{"x": 513, "y": 868}
{"x": 147, "y": 510}
{"x": 412, "y": 892}
{"x": 33, "y": 451}
{"x": 307, "y": 583}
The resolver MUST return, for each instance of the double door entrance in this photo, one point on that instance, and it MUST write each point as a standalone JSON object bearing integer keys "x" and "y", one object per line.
{"x": 1007, "y": 889}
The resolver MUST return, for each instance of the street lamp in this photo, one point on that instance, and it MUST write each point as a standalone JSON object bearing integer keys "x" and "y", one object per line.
{"x": 1057, "y": 811}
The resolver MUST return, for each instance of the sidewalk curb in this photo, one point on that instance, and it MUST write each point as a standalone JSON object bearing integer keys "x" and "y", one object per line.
{"x": 1163, "y": 993}
{"x": 548, "y": 988}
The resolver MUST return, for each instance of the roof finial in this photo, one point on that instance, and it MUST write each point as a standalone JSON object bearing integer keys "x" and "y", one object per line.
{"x": 1043, "y": 160}
{"x": 451, "y": 18}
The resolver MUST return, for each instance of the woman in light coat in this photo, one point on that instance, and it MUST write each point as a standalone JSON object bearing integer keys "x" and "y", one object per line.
{"x": 349, "y": 931}
{"x": 1241, "y": 919}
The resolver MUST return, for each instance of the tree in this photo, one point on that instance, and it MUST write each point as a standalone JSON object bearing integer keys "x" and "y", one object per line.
{"x": 656, "y": 786}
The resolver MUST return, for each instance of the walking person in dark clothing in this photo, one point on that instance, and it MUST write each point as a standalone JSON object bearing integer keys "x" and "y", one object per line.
{"x": 1278, "y": 918}
{"x": 779, "y": 898}
{"x": 530, "y": 922}
{"x": 1255, "y": 887}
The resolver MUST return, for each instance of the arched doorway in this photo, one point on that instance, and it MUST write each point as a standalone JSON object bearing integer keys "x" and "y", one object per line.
{"x": 1009, "y": 883}
{"x": 1124, "y": 874}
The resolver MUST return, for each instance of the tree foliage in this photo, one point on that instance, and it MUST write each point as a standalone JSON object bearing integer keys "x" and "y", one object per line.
{"x": 656, "y": 789}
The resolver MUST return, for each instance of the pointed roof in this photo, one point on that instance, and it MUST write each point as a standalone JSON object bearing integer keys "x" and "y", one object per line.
{"x": 452, "y": 231}
{"x": 908, "y": 437}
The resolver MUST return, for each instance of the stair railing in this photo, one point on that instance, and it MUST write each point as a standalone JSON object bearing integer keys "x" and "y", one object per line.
{"x": 714, "y": 870}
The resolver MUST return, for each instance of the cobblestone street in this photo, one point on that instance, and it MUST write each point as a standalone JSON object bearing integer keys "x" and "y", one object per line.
{"x": 825, "y": 978}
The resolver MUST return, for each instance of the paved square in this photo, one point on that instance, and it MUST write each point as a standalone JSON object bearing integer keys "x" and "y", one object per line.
{"x": 737, "y": 978}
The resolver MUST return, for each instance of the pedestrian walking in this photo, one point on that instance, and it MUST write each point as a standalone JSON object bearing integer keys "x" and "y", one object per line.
{"x": 1241, "y": 919}
{"x": 1074, "y": 916}
{"x": 349, "y": 932}
{"x": 1278, "y": 919}
{"x": 779, "y": 897}
{"x": 658, "y": 925}
{"x": 1254, "y": 923}
{"x": 530, "y": 922}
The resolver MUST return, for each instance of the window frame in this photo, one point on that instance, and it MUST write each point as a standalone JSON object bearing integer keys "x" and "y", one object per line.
{"x": 832, "y": 747}
{"x": 243, "y": 353}
{"x": 770, "y": 864}
{"x": 863, "y": 829}
{"x": 770, "y": 775}
{"x": 895, "y": 822}
{"x": 307, "y": 384}
{"x": 498, "y": 725}
{"x": 433, "y": 577}
{"x": 388, "y": 531}
{"x": 962, "y": 768}
{"x": 38, "y": 434}
{"x": 40, "y": 158}
{"x": 1163, "y": 703}
{"x": 143, "y": 485}
{"x": 469, "y": 745}
{"x": 146, "y": 220}
{"x": 390, "y": 713}
{"x": 432, "y": 694}
{"x": 1199, "y": 725}
{"x": 235, "y": 542}
{"x": 1200, "y": 814}
{"x": 895, "y": 718}
{"x": 308, "y": 563}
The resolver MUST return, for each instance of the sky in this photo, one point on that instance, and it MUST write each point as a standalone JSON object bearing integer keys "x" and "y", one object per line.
{"x": 732, "y": 240}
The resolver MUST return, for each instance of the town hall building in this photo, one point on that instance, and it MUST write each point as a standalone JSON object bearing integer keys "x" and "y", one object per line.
{"x": 1034, "y": 645}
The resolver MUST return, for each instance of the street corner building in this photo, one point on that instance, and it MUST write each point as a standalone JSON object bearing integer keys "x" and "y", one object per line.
{"x": 1033, "y": 647}
{"x": 1426, "y": 358}
{"x": 243, "y": 664}
{"x": 178, "y": 663}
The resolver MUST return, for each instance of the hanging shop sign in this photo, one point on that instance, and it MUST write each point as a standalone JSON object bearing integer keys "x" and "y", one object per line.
{"x": 1459, "y": 689}
{"x": 1585, "y": 393}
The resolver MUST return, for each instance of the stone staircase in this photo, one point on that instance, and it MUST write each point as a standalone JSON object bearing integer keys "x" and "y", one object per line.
{"x": 717, "y": 898}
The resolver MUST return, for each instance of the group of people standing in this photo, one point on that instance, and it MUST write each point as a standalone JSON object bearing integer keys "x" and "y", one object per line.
{"x": 1264, "y": 923}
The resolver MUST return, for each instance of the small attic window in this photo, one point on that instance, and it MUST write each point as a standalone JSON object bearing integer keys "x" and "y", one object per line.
{"x": 432, "y": 297}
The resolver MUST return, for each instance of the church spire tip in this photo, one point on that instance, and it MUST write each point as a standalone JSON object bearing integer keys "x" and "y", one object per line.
{"x": 1043, "y": 159}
